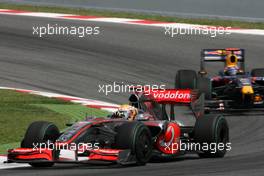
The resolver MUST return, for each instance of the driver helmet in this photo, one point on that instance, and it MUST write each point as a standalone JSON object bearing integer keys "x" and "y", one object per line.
{"x": 126, "y": 112}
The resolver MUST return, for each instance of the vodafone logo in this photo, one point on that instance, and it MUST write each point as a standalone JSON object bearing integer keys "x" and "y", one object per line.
{"x": 170, "y": 137}
{"x": 175, "y": 95}
{"x": 171, "y": 130}
{"x": 171, "y": 133}
{"x": 183, "y": 96}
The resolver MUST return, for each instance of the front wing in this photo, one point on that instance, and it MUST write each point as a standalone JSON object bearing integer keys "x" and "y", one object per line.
{"x": 29, "y": 155}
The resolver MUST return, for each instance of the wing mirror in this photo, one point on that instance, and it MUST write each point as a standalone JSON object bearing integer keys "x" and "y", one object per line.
{"x": 202, "y": 72}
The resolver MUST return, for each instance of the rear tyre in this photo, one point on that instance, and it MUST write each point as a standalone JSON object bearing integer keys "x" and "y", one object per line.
{"x": 185, "y": 79}
{"x": 257, "y": 72}
{"x": 204, "y": 85}
{"x": 40, "y": 132}
{"x": 213, "y": 131}
{"x": 136, "y": 137}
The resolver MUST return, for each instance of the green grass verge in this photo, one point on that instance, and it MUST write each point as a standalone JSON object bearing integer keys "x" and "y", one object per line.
{"x": 18, "y": 110}
{"x": 107, "y": 13}
{"x": 76, "y": 112}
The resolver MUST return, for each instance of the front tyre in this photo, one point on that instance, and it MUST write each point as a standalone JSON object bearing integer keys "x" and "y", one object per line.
{"x": 40, "y": 132}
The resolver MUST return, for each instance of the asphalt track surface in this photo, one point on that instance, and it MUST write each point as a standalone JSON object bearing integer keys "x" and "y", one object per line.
{"x": 225, "y": 9}
{"x": 132, "y": 54}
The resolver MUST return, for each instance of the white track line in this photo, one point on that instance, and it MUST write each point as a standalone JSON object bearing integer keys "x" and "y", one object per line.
{"x": 123, "y": 21}
{"x": 83, "y": 101}
{"x": 10, "y": 165}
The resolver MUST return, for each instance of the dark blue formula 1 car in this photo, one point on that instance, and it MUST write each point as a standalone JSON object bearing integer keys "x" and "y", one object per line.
{"x": 233, "y": 88}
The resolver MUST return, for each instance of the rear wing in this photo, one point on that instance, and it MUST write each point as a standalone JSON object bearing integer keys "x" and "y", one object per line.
{"x": 172, "y": 97}
{"x": 220, "y": 55}
{"x": 179, "y": 97}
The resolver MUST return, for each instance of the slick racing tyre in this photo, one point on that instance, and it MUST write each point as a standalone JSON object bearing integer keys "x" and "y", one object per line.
{"x": 257, "y": 72}
{"x": 40, "y": 132}
{"x": 136, "y": 137}
{"x": 185, "y": 79}
{"x": 212, "y": 131}
{"x": 204, "y": 85}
